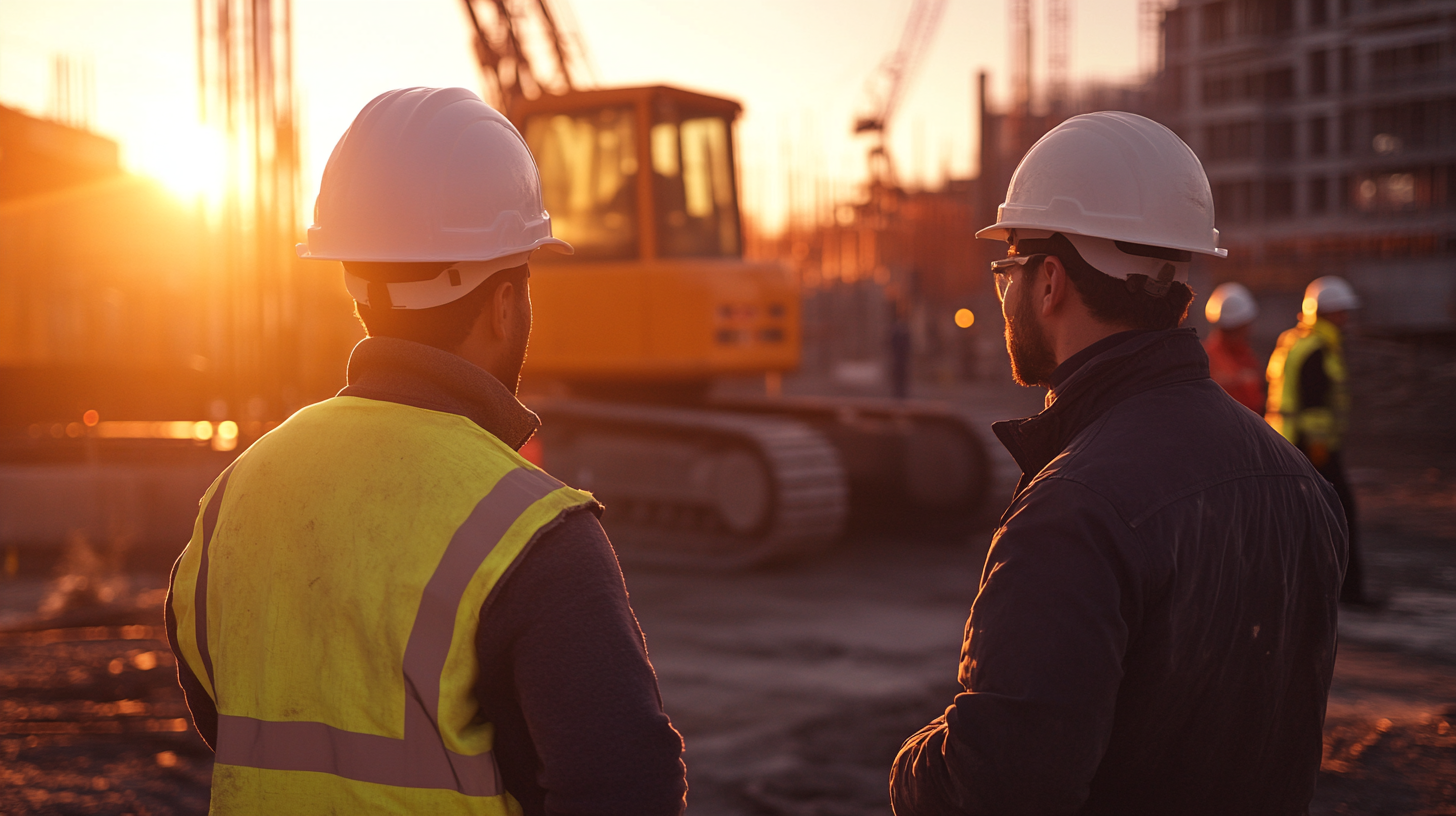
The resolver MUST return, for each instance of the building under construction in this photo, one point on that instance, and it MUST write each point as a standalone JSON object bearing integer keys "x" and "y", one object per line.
{"x": 1328, "y": 130}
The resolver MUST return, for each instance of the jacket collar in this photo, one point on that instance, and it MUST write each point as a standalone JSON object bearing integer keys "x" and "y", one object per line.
{"x": 1140, "y": 363}
{"x": 393, "y": 370}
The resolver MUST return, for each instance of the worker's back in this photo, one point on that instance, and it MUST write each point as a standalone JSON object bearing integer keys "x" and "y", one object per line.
{"x": 357, "y": 543}
{"x": 1232, "y": 555}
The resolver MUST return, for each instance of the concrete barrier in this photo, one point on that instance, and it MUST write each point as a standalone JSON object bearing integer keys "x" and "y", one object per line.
{"x": 143, "y": 505}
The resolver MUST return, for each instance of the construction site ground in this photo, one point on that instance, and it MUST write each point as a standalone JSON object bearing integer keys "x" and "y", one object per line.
{"x": 793, "y": 687}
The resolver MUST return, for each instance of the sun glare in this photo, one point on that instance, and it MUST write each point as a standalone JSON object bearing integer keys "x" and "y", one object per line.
{"x": 191, "y": 160}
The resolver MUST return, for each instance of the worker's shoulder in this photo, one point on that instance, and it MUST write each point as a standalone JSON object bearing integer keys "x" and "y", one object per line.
{"x": 358, "y": 432}
{"x": 1174, "y": 441}
{"x": 356, "y": 419}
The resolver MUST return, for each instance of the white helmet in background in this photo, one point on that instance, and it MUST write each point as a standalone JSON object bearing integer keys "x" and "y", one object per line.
{"x": 1231, "y": 306}
{"x": 429, "y": 175}
{"x": 1329, "y": 294}
{"x": 1116, "y": 184}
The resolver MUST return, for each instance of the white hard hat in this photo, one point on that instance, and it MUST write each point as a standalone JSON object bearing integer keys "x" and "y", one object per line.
{"x": 1329, "y": 294}
{"x": 1114, "y": 176}
{"x": 1231, "y": 306}
{"x": 430, "y": 175}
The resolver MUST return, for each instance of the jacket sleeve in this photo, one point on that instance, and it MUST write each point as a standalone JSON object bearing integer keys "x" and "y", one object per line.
{"x": 204, "y": 711}
{"x": 580, "y": 727}
{"x": 1041, "y": 665}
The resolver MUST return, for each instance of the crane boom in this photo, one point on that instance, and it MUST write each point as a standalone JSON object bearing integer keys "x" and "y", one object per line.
{"x": 886, "y": 85}
{"x": 515, "y": 70}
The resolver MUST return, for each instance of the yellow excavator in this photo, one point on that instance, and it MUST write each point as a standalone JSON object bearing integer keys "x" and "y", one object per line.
{"x": 656, "y": 305}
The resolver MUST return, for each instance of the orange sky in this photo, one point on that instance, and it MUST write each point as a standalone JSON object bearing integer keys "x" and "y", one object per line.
{"x": 798, "y": 66}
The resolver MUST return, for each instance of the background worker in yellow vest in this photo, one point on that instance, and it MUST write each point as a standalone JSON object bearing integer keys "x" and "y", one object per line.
{"x": 383, "y": 607}
{"x": 1309, "y": 399}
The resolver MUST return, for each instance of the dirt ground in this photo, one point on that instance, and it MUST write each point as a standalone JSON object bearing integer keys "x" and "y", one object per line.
{"x": 793, "y": 688}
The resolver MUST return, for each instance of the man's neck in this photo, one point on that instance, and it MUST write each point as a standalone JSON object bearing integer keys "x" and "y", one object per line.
{"x": 1074, "y": 338}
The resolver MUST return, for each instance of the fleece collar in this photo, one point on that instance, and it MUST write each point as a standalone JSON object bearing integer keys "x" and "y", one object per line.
{"x": 393, "y": 370}
{"x": 1140, "y": 363}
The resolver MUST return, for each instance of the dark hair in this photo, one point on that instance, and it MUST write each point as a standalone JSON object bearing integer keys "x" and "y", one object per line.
{"x": 1112, "y": 300}
{"x": 444, "y": 327}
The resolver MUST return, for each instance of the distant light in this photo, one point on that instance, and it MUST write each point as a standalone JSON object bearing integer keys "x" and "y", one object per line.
{"x": 227, "y": 436}
{"x": 180, "y": 429}
{"x": 74, "y": 430}
{"x": 965, "y": 318}
{"x": 91, "y": 418}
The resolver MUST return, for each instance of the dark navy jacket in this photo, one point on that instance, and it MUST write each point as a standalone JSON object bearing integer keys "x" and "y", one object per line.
{"x": 1155, "y": 627}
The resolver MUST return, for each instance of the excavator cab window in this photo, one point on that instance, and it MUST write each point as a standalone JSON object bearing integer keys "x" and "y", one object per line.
{"x": 692, "y": 169}
{"x": 588, "y": 162}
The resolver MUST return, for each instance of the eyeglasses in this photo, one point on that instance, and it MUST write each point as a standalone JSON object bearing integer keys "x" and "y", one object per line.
{"x": 1003, "y": 268}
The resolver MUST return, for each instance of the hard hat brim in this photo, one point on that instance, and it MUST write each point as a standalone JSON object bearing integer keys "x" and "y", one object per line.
{"x": 1000, "y": 231}
{"x": 552, "y": 243}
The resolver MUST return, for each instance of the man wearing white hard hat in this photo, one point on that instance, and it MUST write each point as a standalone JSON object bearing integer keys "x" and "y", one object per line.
{"x": 1232, "y": 364}
{"x": 1309, "y": 399}
{"x": 384, "y": 608}
{"x": 1154, "y": 630}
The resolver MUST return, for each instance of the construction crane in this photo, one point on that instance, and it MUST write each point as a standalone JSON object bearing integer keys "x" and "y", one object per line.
{"x": 658, "y": 301}
{"x": 514, "y": 73}
{"x": 1059, "y": 53}
{"x": 1150, "y": 36}
{"x": 886, "y": 85}
{"x": 1021, "y": 58}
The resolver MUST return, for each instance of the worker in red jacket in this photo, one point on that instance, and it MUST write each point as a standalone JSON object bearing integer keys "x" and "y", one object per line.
{"x": 1231, "y": 363}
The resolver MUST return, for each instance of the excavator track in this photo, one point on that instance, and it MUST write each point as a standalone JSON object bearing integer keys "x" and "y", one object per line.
{"x": 698, "y": 488}
{"x": 915, "y": 465}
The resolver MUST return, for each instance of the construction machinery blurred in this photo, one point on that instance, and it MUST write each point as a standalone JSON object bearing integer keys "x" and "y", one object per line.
{"x": 147, "y": 339}
{"x": 658, "y": 303}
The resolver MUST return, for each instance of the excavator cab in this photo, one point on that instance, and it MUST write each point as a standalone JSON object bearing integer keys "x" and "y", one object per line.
{"x": 656, "y": 304}
{"x": 642, "y": 182}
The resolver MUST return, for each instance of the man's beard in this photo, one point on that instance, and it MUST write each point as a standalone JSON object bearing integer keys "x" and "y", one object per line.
{"x": 1032, "y": 358}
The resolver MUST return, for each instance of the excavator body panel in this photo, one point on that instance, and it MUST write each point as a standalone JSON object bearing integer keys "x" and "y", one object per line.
{"x": 688, "y": 319}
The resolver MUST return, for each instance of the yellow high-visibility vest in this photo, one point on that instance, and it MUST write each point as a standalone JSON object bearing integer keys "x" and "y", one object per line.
{"x": 329, "y": 602}
{"x": 1286, "y": 411}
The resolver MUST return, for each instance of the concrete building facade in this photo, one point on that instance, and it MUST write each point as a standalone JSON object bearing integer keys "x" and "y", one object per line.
{"x": 1328, "y": 131}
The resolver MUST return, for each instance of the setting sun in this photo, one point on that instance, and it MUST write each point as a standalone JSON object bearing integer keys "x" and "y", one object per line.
{"x": 190, "y": 159}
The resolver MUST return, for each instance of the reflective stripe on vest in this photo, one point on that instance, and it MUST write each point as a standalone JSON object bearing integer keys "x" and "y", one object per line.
{"x": 328, "y": 739}
{"x": 1285, "y": 411}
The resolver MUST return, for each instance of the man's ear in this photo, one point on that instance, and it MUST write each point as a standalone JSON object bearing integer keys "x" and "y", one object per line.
{"x": 502, "y": 309}
{"x": 1054, "y": 288}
